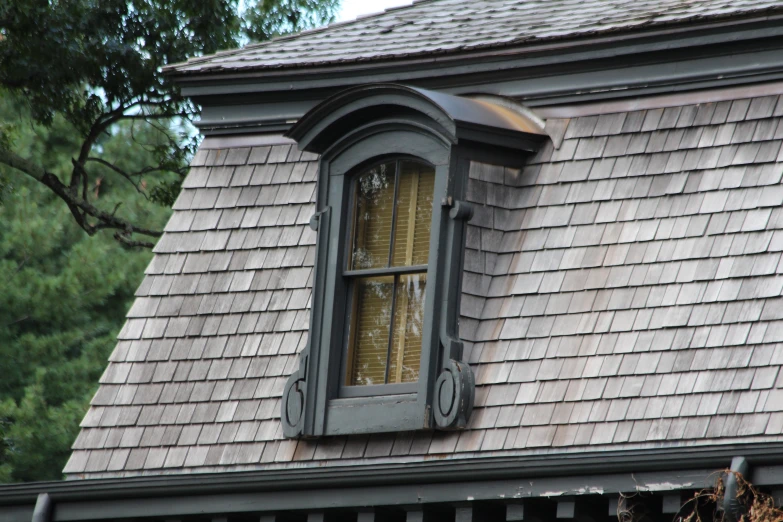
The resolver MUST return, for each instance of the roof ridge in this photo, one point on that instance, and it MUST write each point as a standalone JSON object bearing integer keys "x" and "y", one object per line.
{"x": 291, "y": 36}
{"x": 462, "y": 29}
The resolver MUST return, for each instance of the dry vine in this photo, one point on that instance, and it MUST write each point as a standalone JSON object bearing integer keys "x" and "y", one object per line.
{"x": 707, "y": 505}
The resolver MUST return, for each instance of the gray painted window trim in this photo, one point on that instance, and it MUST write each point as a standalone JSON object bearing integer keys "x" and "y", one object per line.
{"x": 350, "y": 131}
{"x": 333, "y": 410}
{"x": 425, "y": 483}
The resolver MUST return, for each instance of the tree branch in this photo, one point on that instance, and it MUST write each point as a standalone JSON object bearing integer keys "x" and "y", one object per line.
{"x": 127, "y": 241}
{"x": 80, "y": 208}
{"x": 124, "y": 174}
{"x": 158, "y": 116}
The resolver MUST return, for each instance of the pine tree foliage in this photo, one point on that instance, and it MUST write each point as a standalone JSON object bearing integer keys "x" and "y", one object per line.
{"x": 63, "y": 297}
{"x": 93, "y": 138}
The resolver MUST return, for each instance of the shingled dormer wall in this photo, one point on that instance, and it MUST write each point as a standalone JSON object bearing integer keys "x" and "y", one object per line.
{"x": 622, "y": 291}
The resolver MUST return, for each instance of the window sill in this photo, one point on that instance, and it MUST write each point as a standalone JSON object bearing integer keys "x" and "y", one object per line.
{"x": 388, "y": 413}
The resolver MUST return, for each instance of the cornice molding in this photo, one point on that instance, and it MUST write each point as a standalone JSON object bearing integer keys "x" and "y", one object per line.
{"x": 766, "y": 459}
{"x": 560, "y": 75}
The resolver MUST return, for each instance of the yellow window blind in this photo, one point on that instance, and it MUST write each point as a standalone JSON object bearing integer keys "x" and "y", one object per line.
{"x": 408, "y": 326}
{"x": 373, "y": 222}
{"x": 414, "y": 215}
{"x": 373, "y": 298}
{"x": 387, "y": 313}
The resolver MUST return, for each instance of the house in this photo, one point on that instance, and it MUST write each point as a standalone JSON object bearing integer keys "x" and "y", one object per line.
{"x": 462, "y": 260}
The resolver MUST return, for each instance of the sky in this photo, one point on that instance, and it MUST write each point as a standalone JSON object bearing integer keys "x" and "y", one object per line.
{"x": 350, "y": 9}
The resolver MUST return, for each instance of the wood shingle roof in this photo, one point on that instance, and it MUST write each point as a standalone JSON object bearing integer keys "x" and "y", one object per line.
{"x": 434, "y": 27}
{"x": 622, "y": 291}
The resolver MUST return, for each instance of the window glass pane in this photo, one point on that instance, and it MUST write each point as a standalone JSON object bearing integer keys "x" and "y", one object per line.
{"x": 414, "y": 214}
{"x": 408, "y": 327}
{"x": 372, "y": 307}
{"x": 387, "y": 312}
{"x": 373, "y": 222}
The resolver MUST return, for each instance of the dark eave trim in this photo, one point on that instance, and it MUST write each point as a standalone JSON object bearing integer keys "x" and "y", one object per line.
{"x": 678, "y": 99}
{"x": 456, "y": 117}
{"x": 396, "y": 495}
{"x": 765, "y": 458}
{"x": 702, "y": 59}
{"x": 428, "y": 483}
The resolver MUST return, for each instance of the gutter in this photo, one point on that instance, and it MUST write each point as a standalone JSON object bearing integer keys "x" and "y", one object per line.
{"x": 767, "y": 456}
{"x": 731, "y": 506}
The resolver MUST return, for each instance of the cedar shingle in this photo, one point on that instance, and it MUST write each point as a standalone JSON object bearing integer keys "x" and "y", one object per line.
{"x": 643, "y": 297}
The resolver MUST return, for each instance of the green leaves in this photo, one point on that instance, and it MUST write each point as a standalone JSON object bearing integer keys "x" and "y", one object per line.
{"x": 36, "y": 434}
{"x": 84, "y": 58}
{"x": 268, "y": 18}
{"x": 85, "y": 109}
{"x": 8, "y": 131}
{"x": 62, "y": 300}
{"x": 96, "y": 66}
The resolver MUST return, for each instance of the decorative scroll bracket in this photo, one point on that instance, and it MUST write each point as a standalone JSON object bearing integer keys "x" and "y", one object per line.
{"x": 455, "y": 387}
{"x": 293, "y": 408}
{"x": 461, "y": 211}
{"x": 294, "y": 399}
{"x": 454, "y": 394}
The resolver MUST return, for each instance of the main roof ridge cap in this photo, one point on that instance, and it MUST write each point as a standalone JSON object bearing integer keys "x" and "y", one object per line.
{"x": 252, "y": 57}
{"x": 293, "y": 36}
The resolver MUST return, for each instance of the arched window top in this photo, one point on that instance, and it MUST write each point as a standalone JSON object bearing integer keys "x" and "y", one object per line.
{"x": 454, "y": 117}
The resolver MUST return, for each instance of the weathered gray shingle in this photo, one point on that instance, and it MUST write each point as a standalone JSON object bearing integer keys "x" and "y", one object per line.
{"x": 629, "y": 295}
{"x": 448, "y": 26}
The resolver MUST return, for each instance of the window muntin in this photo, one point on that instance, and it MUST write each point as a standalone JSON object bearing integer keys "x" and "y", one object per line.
{"x": 389, "y": 252}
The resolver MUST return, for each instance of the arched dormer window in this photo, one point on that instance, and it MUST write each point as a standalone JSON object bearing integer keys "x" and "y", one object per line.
{"x": 384, "y": 352}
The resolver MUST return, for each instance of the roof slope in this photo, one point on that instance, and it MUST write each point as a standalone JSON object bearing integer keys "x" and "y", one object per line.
{"x": 623, "y": 291}
{"x": 448, "y": 26}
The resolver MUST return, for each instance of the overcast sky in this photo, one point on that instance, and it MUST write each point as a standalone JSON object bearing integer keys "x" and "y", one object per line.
{"x": 352, "y": 8}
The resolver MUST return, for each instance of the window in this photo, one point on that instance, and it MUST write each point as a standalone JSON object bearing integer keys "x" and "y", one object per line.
{"x": 387, "y": 273}
{"x": 384, "y": 352}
